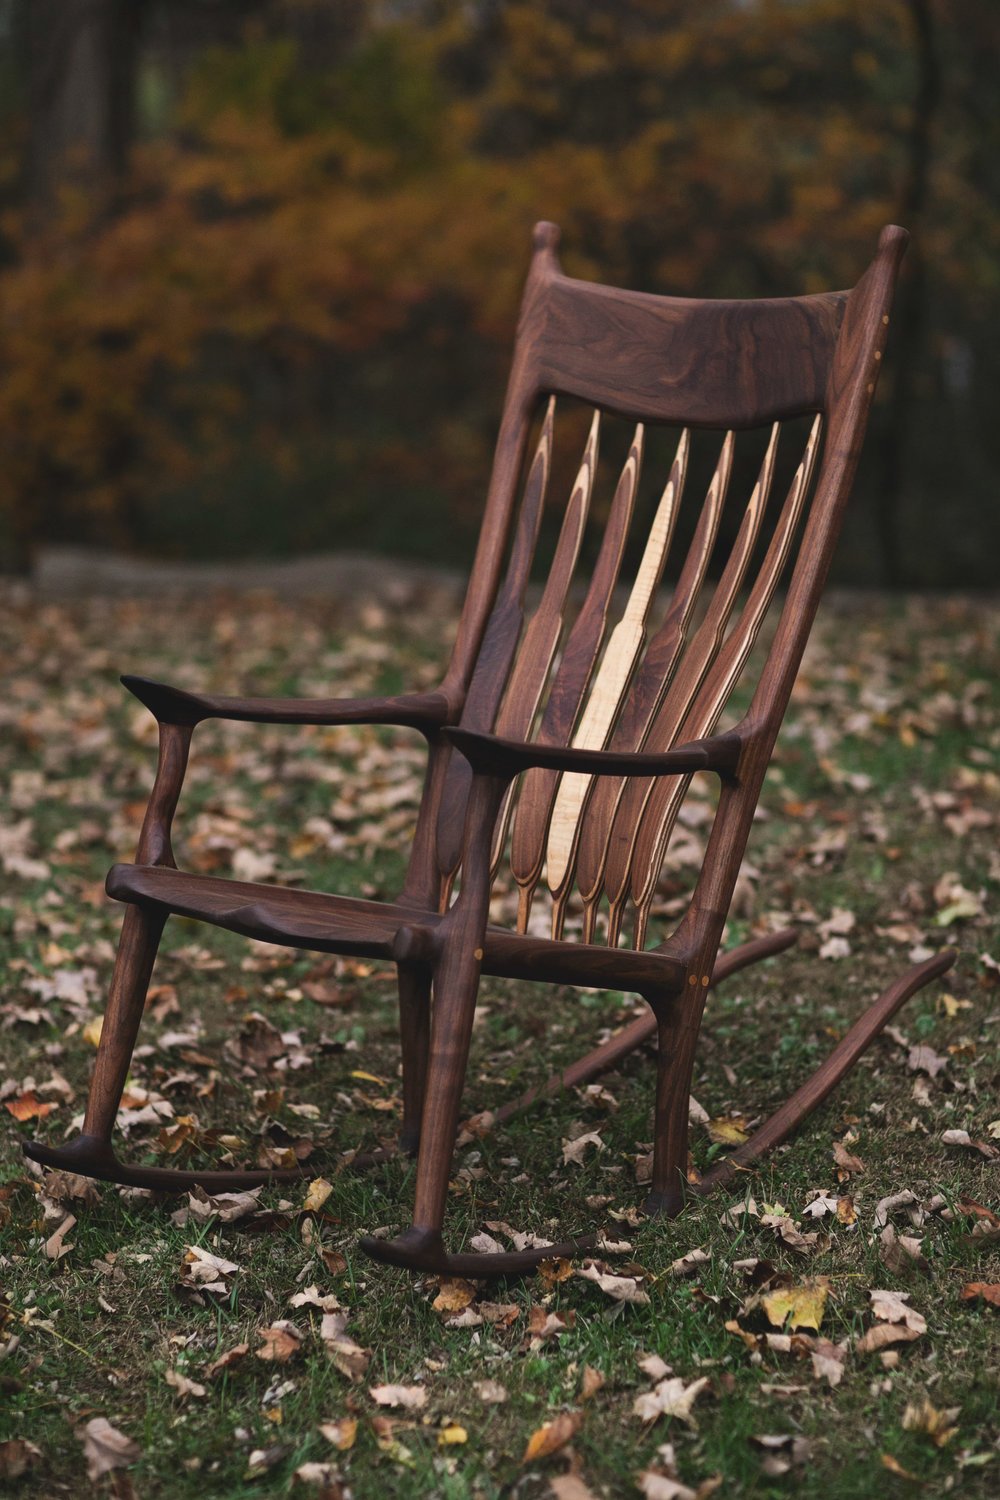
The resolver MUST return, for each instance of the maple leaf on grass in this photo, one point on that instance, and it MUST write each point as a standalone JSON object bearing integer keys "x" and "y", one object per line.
{"x": 670, "y": 1398}
{"x": 105, "y": 1448}
{"x": 552, "y": 1436}
{"x": 798, "y": 1306}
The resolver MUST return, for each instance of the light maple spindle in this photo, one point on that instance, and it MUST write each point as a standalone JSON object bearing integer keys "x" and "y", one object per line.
{"x": 649, "y": 722}
{"x": 611, "y": 683}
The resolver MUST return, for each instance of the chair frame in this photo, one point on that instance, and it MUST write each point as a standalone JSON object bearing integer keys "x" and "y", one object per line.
{"x": 723, "y": 364}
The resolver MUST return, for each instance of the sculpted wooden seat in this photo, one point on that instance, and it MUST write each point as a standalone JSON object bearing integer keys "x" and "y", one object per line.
{"x": 562, "y": 742}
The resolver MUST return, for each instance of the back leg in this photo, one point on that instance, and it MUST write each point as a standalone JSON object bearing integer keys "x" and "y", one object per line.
{"x": 414, "y": 982}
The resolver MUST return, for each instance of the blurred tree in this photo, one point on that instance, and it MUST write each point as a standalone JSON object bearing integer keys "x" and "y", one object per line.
{"x": 307, "y": 286}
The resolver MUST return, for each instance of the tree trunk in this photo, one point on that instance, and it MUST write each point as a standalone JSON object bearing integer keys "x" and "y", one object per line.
{"x": 81, "y": 93}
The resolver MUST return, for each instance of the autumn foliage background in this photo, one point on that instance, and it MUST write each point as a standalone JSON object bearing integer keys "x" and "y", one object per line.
{"x": 260, "y": 259}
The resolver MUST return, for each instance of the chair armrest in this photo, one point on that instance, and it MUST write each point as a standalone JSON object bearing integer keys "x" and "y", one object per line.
{"x": 499, "y": 757}
{"x": 172, "y": 705}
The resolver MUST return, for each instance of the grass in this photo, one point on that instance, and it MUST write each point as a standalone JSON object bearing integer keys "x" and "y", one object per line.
{"x": 889, "y": 738}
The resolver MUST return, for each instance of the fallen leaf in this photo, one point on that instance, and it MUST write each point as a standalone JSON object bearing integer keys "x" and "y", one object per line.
{"x": 670, "y": 1398}
{"x": 490, "y": 1392}
{"x": 685, "y": 1264}
{"x": 279, "y": 1343}
{"x": 962, "y": 1138}
{"x": 54, "y": 1247}
{"x": 987, "y": 1291}
{"x": 924, "y": 1059}
{"x": 201, "y": 1269}
{"x": 780, "y": 1452}
{"x": 552, "y": 1436}
{"x": 454, "y": 1293}
{"x": 105, "y": 1448}
{"x": 226, "y": 1361}
{"x": 319, "y": 1191}
{"x": 350, "y": 1359}
{"x": 592, "y": 1382}
{"x": 570, "y": 1487}
{"x": 902, "y": 1253}
{"x": 411, "y": 1397}
{"x": 340, "y": 1433}
{"x": 183, "y": 1386}
{"x": 573, "y": 1151}
{"x": 847, "y": 1163}
{"x": 728, "y": 1130}
{"x": 451, "y": 1434}
{"x": 798, "y": 1306}
{"x": 554, "y": 1270}
{"x": 620, "y": 1288}
{"x": 17, "y": 1456}
{"x": 895, "y": 1467}
{"x": 922, "y": 1416}
{"x": 28, "y": 1107}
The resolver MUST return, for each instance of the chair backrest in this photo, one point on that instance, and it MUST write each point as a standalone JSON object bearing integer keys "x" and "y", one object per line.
{"x": 590, "y": 681}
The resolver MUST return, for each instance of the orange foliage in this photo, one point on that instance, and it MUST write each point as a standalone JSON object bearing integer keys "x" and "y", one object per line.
{"x": 685, "y": 148}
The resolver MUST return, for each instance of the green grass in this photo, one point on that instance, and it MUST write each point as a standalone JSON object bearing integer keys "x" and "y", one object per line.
{"x": 98, "y": 1329}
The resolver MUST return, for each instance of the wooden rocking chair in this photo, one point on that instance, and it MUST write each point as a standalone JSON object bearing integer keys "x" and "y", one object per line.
{"x": 597, "y": 733}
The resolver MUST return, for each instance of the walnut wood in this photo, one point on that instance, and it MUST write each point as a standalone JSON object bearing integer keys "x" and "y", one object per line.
{"x": 566, "y": 693}
{"x": 173, "y": 705}
{"x": 650, "y": 686}
{"x": 610, "y": 1053}
{"x": 632, "y": 725}
{"x": 826, "y": 1077}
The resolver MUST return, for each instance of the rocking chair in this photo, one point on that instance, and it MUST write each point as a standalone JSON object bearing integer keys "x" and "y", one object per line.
{"x": 558, "y": 747}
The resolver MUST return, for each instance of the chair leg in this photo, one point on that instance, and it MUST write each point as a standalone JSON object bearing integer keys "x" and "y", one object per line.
{"x": 414, "y": 982}
{"x": 91, "y": 1152}
{"x": 678, "y": 1021}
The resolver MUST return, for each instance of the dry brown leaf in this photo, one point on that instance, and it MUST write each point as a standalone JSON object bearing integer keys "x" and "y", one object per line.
{"x": 105, "y": 1448}
{"x": 543, "y": 1324}
{"x": 574, "y": 1151}
{"x": 490, "y": 1392}
{"x": 411, "y": 1397}
{"x": 552, "y": 1436}
{"x": 987, "y": 1291}
{"x": 620, "y": 1288}
{"x": 183, "y": 1386}
{"x": 847, "y": 1163}
{"x": 350, "y": 1359}
{"x": 201, "y": 1269}
{"x": 454, "y": 1293}
{"x": 685, "y": 1264}
{"x": 570, "y": 1487}
{"x": 279, "y": 1342}
{"x": 922, "y": 1416}
{"x": 54, "y": 1247}
{"x": 340, "y": 1433}
{"x": 893, "y": 1307}
{"x": 226, "y": 1361}
{"x": 592, "y": 1382}
{"x": 670, "y": 1398}
{"x": 28, "y": 1107}
{"x": 17, "y": 1456}
{"x": 902, "y": 1253}
{"x": 557, "y": 1268}
{"x": 319, "y": 1191}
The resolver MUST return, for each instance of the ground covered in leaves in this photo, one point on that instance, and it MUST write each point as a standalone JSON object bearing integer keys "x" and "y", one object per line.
{"x": 832, "y": 1326}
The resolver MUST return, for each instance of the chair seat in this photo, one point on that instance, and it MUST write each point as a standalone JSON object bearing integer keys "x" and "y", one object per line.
{"x": 367, "y": 929}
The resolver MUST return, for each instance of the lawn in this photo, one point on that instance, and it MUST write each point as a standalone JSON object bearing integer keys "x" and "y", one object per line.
{"x": 289, "y": 1364}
